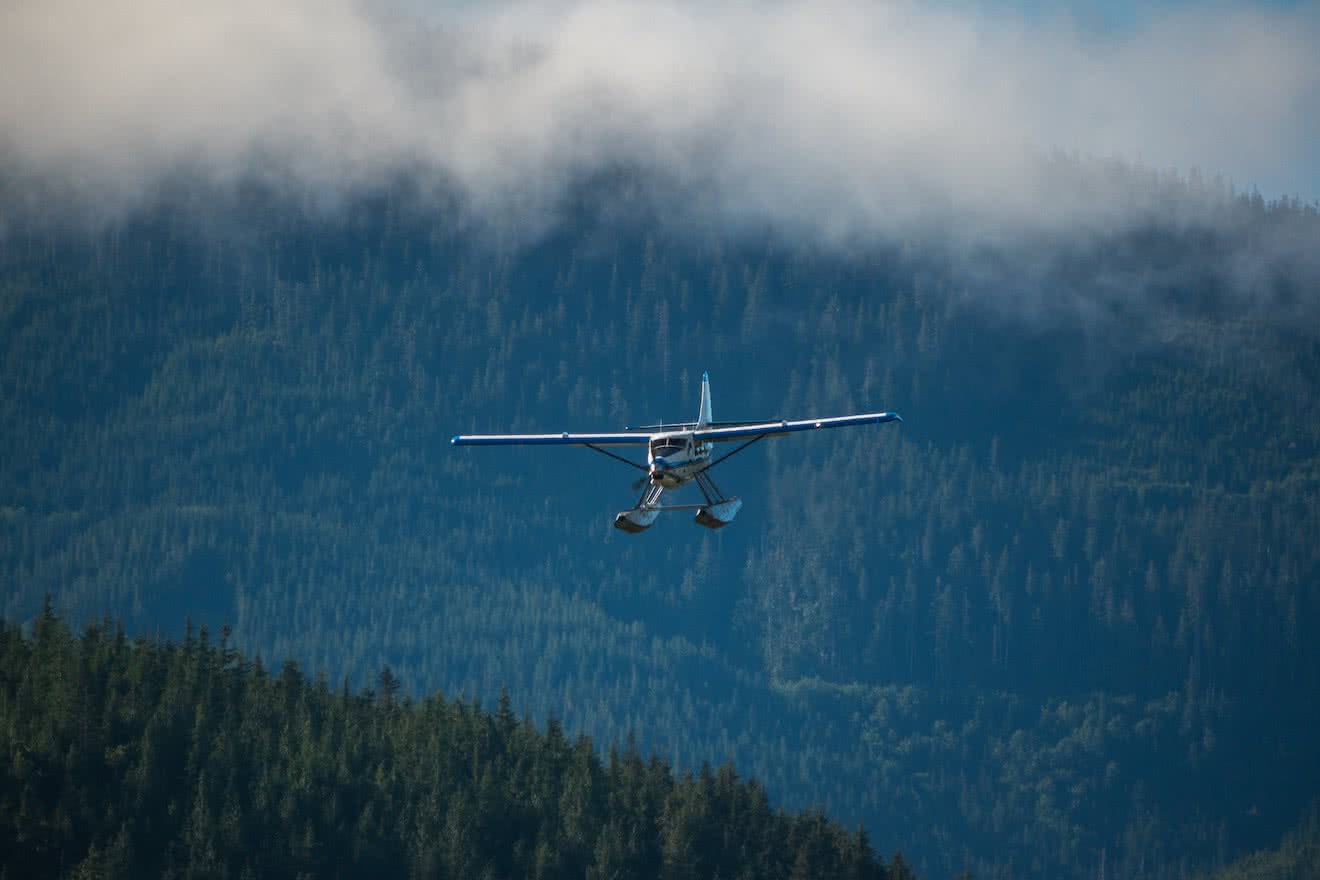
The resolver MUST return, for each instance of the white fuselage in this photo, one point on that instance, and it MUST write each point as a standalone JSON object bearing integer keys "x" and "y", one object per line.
{"x": 676, "y": 458}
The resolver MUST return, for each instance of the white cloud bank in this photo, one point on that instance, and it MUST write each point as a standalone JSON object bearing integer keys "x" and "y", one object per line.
{"x": 850, "y": 119}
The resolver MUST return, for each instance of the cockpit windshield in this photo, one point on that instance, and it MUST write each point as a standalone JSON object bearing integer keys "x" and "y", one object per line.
{"x": 666, "y": 446}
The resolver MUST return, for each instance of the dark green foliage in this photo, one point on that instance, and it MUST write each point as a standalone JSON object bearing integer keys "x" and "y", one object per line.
{"x": 153, "y": 759}
{"x": 1062, "y": 618}
{"x": 1296, "y": 858}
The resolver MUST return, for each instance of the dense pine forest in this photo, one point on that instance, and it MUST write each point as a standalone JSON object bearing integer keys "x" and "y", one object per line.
{"x": 153, "y": 759}
{"x": 1297, "y": 858}
{"x": 1059, "y": 623}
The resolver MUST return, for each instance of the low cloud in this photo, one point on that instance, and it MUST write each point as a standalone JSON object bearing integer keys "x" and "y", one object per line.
{"x": 842, "y": 120}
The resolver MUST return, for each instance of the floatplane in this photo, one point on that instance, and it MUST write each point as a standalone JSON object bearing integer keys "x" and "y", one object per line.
{"x": 677, "y": 454}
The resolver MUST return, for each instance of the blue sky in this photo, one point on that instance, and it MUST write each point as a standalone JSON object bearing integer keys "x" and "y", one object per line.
{"x": 1116, "y": 15}
{"x": 1292, "y": 169}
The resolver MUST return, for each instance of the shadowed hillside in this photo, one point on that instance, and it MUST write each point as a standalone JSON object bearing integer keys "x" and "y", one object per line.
{"x": 149, "y": 758}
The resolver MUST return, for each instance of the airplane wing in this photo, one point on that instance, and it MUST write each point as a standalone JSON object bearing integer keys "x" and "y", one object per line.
{"x": 564, "y": 439}
{"x": 761, "y": 429}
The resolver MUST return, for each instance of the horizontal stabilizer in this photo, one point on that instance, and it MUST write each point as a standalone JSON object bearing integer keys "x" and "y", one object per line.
{"x": 688, "y": 426}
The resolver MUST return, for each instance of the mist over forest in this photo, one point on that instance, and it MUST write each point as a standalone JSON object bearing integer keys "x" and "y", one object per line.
{"x": 1055, "y": 624}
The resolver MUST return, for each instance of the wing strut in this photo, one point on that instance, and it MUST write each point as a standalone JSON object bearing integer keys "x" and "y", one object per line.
{"x": 629, "y": 462}
{"x": 734, "y": 452}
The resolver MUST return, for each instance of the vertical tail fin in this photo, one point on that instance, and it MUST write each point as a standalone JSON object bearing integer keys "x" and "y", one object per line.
{"x": 704, "y": 418}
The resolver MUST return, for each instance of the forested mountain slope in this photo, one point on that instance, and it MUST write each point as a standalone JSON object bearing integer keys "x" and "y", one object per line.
{"x": 1296, "y": 858}
{"x": 149, "y": 758}
{"x": 1059, "y": 618}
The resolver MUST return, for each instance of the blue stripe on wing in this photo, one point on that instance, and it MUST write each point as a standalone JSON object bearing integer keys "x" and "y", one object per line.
{"x": 563, "y": 439}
